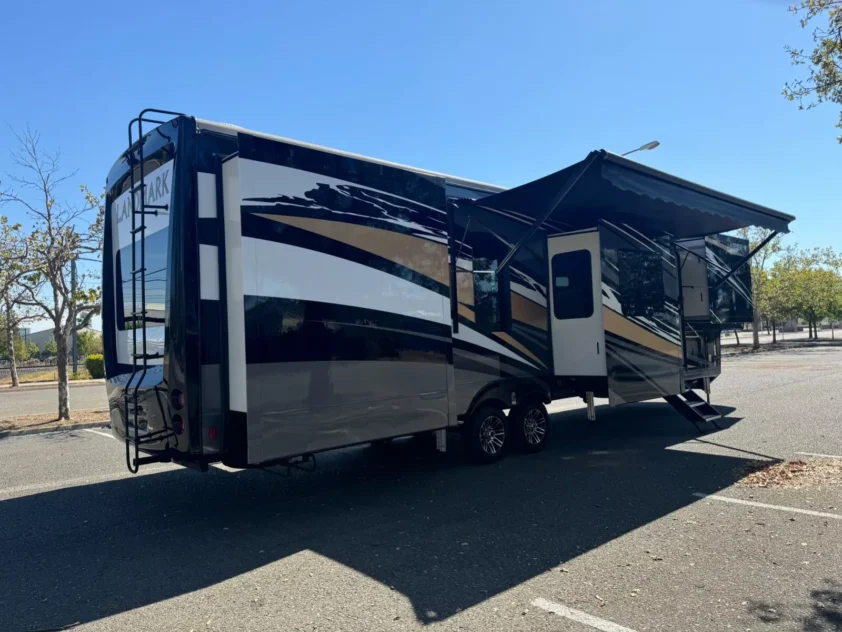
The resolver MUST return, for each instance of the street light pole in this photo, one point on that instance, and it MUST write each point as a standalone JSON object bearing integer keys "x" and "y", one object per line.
{"x": 73, "y": 325}
{"x": 646, "y": 147}
{"x": 75, "y": 351}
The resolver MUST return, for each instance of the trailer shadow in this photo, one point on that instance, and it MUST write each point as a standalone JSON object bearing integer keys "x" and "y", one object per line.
{"x": 445, "y": 535}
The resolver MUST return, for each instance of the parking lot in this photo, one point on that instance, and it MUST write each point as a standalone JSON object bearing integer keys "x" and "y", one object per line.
{"x": 633, "y": 522}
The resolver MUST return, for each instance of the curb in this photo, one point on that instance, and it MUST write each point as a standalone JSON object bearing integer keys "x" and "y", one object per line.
{"x": 32, "y": 431}
{"x": 38, "y": 386}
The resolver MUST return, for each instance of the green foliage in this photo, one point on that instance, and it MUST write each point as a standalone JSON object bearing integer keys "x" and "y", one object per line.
{"x": 50, "y": 348}
{"x": 32, "y": 350}
{"x": 88, "y": 342}
{"x": 803, "y": 284}
{"x": 823, "y": 82}
{"x": 21, "y": 349}
{"x": 95, "y": 365}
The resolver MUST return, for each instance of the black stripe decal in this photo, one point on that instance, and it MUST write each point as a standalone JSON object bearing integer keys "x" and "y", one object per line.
{"x": 427, "y": 190}
{"x": 208, "y": 231}
{"x": 209, "y": 341}
{"x": 268, "y": 230}
{"x": 288, "y": 330}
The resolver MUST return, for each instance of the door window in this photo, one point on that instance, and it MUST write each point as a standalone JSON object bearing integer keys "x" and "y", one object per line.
{"x": 572, "y": 285}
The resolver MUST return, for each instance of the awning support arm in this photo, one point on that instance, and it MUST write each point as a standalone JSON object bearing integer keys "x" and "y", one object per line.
{"x": 745, "y": 259}
{"x": 554, "y": 203}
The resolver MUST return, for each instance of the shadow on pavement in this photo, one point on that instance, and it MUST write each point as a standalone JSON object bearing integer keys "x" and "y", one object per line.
{"x": 464, "y": 533}
{"x": 824, "y": 615}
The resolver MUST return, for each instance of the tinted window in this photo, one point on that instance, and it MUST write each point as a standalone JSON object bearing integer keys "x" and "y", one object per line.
{"x": 486, "y": 294}
{"x": 641, "y": 278}
{"x": 572, "y": 285}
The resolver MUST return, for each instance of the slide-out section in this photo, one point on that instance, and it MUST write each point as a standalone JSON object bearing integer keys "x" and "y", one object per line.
{"x": 338, "y": 319}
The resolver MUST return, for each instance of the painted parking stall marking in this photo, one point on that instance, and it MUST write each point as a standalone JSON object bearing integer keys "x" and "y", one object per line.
{"x": 579, "y": 616}
{"x": 100, "y": 433}
{"x": 822, "y": 456}
{"x": 752, "y": 503}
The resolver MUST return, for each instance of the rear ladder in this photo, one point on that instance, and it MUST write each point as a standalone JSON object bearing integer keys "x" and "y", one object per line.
{"x": 140, "y": 356}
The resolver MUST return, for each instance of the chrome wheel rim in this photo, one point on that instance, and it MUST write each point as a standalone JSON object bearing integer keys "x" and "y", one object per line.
{"x": 492, "y": 434}
{"x": 534, "y": 426}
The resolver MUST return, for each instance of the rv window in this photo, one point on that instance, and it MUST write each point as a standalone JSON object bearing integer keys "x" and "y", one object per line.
{"x": 572, "y": 285}
{"x": 641, "y": 278}
{"x": 486, "y": 294}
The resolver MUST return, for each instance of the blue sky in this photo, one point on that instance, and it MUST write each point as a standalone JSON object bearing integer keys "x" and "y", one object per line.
{"x": 492, "y": 90}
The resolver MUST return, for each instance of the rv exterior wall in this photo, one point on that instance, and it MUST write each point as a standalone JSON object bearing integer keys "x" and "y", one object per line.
{"x": 338, "y": 295}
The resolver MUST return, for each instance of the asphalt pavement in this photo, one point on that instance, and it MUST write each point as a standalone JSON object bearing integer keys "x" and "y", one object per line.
{"x": 34, "y": 401}
{"x": 605, "y": 529}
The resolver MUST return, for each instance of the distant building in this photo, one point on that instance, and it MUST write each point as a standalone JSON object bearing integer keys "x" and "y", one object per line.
{"x": 41, "y": 338}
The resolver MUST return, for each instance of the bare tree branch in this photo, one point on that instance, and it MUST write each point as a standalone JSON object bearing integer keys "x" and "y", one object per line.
{"x": 53, "y": 245}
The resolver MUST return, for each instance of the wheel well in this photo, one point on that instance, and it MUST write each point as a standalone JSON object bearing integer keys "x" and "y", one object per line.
{"x": 500, "y": 394}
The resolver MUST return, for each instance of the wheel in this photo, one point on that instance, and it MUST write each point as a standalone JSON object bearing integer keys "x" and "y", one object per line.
{"x": 530, "y": 424}
{"x": 487, "y": 434}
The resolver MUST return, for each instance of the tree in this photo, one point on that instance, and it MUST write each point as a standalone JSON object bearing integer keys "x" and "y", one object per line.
{"x": 824, "y": 77}
{"x": 13, "y": 266}
{"x": 759, "y": 264}
{"x": 50, "y": 348}
{"x": 54, "y": 243}
{"x": 88, "y": 342}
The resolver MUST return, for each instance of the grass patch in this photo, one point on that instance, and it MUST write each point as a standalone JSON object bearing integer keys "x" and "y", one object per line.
{"x": 47, "y": 375}
{"x": 50, "y": 421}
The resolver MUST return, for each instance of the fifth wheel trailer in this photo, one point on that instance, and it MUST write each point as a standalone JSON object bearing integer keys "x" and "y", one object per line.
{"x": 267, "y": 299}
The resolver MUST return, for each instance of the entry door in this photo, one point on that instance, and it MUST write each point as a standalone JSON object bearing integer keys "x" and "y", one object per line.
{"x": 576, "y": 304}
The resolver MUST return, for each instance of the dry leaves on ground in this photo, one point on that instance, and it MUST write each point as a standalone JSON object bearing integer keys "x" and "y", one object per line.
{"x": 797, "y": 473}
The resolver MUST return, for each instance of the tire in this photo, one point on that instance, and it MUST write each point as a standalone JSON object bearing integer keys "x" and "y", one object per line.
{"x": 486, "y": 435}
{"x": 530, "y": 424}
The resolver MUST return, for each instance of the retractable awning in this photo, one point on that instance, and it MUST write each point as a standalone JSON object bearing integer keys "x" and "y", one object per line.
{"x": 609, "y": 187}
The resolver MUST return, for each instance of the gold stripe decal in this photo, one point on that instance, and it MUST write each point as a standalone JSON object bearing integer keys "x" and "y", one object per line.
{"x": 623, "y": 327}
{"x": 420, "y": 255}
{"x": 502, "y": 335}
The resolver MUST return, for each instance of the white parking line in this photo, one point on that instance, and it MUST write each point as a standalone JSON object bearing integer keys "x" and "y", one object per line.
{"x": 101, "y": 434}
{"x": 225, "y": 468}
{"x": 739, "y": 501}
{"x": 824, "y": 456}
{"x": 579, "y": 616}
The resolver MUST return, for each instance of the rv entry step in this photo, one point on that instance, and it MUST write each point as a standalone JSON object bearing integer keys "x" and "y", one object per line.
{"x": 695, "y": 409}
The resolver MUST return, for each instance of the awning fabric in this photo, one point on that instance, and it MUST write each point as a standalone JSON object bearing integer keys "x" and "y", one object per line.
{"x": 620, "y": 190}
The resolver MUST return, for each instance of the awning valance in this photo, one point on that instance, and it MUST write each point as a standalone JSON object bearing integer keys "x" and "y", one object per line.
{"x": 620, "y": 190}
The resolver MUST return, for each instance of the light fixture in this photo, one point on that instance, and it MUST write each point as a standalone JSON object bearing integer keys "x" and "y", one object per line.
{"x": 646, "y": 147}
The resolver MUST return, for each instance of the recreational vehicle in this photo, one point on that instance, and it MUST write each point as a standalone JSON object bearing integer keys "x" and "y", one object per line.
{"x": 266, "y": 299}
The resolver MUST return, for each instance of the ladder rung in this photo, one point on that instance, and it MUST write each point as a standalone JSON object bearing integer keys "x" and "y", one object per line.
{"x": 146, "y": 213}
{"x": 162, "y": 207}
{"x": 139, "y": 229}
{"x": 140, "y": 313}
{"x": 694, "y": 404}
{"x": 138, "y": 271}
{"x": 148, "y": 356}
